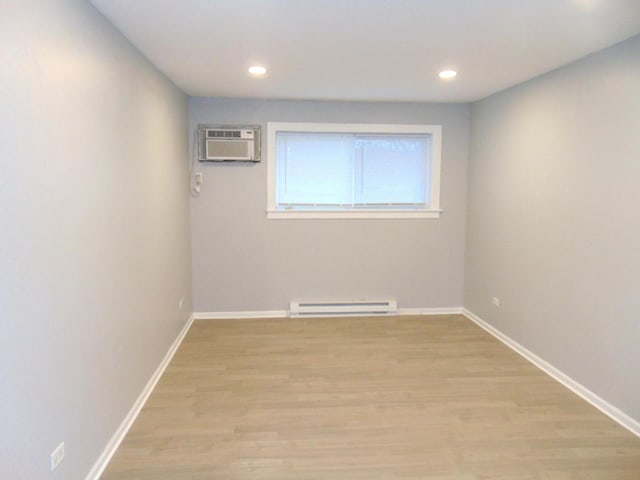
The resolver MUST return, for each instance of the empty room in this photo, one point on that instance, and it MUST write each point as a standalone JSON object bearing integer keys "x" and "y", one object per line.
{"x": 319, "y": 239}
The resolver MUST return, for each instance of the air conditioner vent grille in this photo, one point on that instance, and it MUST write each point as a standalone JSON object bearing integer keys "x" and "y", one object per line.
{"x": 224, "y": 134}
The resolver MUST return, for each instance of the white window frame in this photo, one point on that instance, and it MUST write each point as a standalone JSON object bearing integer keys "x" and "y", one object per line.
{"x": 433, "y": 211}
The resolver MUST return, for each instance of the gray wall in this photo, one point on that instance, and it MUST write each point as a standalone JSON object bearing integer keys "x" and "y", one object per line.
{"x": 554, "y": 219}
{"x": 244, "y": 262}
{"x": 94, "y": 247}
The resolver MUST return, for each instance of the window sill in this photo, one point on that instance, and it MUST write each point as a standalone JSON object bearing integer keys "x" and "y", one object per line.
{"x": 353, "y": 214}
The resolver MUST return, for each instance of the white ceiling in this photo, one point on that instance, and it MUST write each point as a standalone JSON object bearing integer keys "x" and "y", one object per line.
{"x": 388, "y": 50}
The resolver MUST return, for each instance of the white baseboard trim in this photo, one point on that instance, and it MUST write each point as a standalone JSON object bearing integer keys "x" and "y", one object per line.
{"x": 605, "y": 407}
{"x": 108, "y": 452}
{"x": 240, "y": 315}
{"x": 430, "y": 311}
{"x": 286, "y": 313}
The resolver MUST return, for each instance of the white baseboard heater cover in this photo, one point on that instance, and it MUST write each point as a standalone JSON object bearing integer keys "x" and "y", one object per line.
{"x": 337, "y": 308}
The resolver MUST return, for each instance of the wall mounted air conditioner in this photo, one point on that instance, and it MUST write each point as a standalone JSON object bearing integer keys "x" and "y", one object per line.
{"x": 229, "y": 144}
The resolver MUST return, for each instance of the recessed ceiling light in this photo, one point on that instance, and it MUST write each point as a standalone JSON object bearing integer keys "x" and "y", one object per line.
{"x": 257, "y": 70}
{"x": 447, "y": 74}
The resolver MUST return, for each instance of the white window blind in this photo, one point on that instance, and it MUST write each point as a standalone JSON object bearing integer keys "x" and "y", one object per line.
{"x": 328, "y": 168}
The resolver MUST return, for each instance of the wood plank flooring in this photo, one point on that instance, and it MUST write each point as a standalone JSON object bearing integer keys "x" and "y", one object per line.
{"x": 429, "y": 398}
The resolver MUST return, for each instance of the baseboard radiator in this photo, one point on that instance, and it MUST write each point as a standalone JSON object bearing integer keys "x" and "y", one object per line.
{"x": 338, "y": 309}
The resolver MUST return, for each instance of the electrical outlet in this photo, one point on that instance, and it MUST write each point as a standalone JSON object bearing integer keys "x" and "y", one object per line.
{"x": 57, "y": 456}
{"x": 180, "y": 303}
{"x": 496, "y": 301}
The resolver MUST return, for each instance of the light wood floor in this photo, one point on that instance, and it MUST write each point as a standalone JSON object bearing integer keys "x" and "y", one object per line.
{"x": 365, "y": 398}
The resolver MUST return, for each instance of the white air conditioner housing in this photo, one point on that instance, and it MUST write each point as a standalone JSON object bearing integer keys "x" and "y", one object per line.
{"x": 229, "y": 144}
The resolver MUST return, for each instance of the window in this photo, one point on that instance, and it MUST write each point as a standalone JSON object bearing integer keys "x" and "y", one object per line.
{"x": 326, "y": 170}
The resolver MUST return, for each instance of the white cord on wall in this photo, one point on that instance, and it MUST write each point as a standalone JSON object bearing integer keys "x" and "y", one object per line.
{"x": 195, "y": 181}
